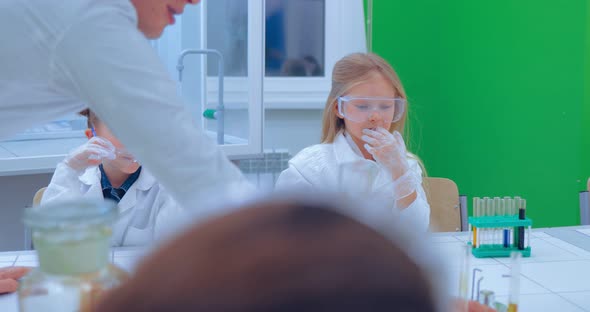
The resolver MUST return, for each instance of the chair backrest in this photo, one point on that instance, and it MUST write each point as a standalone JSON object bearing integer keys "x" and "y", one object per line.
{"x": 585, "y": 205}
{"x": 443, "y": 198}
{"x": 38, "y": 196}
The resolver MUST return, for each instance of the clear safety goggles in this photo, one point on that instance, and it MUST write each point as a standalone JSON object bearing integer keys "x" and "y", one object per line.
{"x": 360, "y": 109}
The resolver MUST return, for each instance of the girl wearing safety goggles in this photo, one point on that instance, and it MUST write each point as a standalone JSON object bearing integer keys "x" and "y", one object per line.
{"x": 364, "y": 117}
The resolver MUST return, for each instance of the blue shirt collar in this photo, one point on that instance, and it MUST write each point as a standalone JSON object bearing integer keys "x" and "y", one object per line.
{"x": 109, "y": 191}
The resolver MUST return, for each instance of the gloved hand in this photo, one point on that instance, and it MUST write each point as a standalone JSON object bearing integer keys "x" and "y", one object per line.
{"x": 9, "y": 277}
{"x": 389, "y": 151}
{"x": 91, "y": 153}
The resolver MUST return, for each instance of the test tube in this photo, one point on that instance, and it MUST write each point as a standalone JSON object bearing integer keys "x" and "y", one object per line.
{"x": 489, "y": 207}
{"x": 480, "y": 208}
{"x": 473, "y": 228}
{"x": 516, "y": 205}
{"x": 497, "y": 231}
{"x": 505, "y": 230}
{"x": 514, "y": 294}
{"x": 506, "y": 201}
{"x": 509, "y": 203}
{"x": 521, "y": 216}
{"x": 482, "y": 204}
{"x": 515, "y": 212}
{"x": 496, "y": 206}
{"x": 464, "y": 275}
{"x": 487, "y": 239}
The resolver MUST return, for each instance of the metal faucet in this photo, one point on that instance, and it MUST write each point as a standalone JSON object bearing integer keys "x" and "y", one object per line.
{"x": 220, "y": 110}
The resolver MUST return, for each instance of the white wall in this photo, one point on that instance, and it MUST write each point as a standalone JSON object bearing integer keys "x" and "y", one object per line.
{"x": 17, "y": 193}
{"x": 293, "y": 129}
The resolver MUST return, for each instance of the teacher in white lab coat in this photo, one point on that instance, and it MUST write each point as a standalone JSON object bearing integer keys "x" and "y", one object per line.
{"x": 60, "y": 56}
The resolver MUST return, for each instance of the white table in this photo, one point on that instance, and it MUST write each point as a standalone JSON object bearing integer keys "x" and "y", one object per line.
{"x": 555, "y": 278}
{"x": 125, "y": 258}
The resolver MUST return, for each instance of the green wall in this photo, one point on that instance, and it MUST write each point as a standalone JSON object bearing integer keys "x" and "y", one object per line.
{"x": 499, "y": 95}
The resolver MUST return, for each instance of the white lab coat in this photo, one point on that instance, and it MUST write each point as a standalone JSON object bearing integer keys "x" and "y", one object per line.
{"x": 61, "y": 56}
{"x": 139, "y": 209}
{"x": 316, "y": 168}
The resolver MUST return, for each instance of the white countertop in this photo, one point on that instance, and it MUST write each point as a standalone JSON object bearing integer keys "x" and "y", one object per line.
{"x": 43, "y": 155}
{"x": 34, "y": 156}
{"x": 555, "y": 278}
{"x": 125, "y": 258}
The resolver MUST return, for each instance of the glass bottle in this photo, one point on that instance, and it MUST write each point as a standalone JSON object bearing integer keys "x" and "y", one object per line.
{"x": 72, "y": 240}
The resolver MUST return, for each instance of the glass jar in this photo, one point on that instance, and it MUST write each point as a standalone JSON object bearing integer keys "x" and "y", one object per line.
{"x": 72, "y": 240}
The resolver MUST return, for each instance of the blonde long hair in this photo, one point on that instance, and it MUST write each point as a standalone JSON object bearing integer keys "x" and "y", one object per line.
{"x": 353, "y": 70}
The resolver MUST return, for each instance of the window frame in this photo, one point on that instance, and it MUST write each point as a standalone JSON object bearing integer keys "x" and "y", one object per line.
{"x": 343, "y": 20}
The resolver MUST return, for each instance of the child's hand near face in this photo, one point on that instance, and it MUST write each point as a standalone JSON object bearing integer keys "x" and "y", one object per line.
{"x": 389, "y": 151}
{"x": 90, "y": 154}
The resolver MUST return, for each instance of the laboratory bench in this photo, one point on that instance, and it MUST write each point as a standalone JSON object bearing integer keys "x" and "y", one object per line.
{"x": 25, "y": 157}
{"x": 555, "y": 278}
{"x": 34, "y": 156}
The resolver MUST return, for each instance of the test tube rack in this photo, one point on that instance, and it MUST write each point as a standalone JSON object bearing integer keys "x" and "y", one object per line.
{"x": 496, "y": 231}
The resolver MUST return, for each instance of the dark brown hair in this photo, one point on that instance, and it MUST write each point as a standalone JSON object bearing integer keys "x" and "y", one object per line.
{"x": 91, "y": 117}
{"x": 277, "y": 256}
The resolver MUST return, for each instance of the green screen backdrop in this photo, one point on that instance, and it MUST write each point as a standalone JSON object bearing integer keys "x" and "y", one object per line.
{"x": 499, "y": 95}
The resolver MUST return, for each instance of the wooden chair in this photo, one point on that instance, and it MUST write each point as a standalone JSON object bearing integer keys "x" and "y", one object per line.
{"x": 36, "y": 202}
{"x": 38, "y": 196}
{"x": 447, "y": 214}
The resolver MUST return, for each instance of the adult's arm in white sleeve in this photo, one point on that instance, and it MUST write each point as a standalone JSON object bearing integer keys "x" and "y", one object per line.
{"x": 107, "y": 62}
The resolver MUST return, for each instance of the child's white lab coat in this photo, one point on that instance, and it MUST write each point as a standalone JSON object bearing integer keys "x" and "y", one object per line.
{"x": 316, "y": 168}
{"x": 141, "y": 207}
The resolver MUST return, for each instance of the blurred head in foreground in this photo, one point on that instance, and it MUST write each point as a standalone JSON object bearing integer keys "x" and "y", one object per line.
{"x": 280, "y": 255}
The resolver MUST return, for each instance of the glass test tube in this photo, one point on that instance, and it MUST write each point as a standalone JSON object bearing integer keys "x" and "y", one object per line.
{"x": 497, "y": 231}
{"x": 509, "y": 202}
{"x": 464, "y": 273}
{"x": 521, "y": 216}
{"x": 488, "y": 213}
{"x": 514, "y": 294}
{"x": 505, "y": 230}
{"x": 473, "y": 228}
{"x": 480, "y": 213}
{"x": 515, "y": 208}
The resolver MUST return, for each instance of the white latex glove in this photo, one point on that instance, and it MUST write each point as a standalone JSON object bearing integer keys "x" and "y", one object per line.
{"x": 91, "y": 153}
{"x": 389, "y": 151}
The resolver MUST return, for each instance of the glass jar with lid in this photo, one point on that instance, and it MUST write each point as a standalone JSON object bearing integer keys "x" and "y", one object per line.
{"x": 72, "y": 240}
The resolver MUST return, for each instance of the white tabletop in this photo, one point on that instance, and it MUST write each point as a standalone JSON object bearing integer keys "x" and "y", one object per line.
{"x": 125, "y": 258}
{"x": 555, "y": 278}
{"x": 42, "y": 155}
